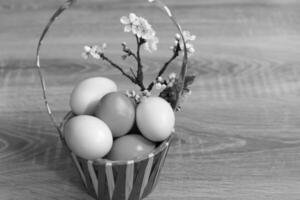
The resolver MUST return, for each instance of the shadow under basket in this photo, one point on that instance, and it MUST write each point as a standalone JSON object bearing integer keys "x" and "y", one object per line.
{"x": 121, "y": 180}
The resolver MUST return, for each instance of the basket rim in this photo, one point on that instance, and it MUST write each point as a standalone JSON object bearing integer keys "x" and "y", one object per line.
{"x": 102, "y": 161}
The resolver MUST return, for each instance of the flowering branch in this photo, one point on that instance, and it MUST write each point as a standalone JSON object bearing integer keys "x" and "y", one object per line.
{"x": 145, "y": 36}
{"x": 98, "y": 53}
{"x": 128, "y": 51}
{"x": 176, "y": 51}
{"x": 172, "y": 88}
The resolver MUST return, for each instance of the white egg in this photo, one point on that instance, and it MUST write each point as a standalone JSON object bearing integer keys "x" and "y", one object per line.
{"x": 86, "y": 95}
{"x": 155, "y": 118}
{"x": 88, "y": 137}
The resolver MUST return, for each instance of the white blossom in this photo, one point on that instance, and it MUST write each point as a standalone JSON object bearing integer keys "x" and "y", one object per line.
{"x": 163, "y": 86}
{"x": 172, "y": 76}
{"x": 128, "y": 21}
{"x": 160, "y": 79}
{"x": 188, "y": 38}
{"x": 140, "y": 27}
{"x": 151, "y": 44}
{"x": 158, "y": 86}
{"x": 130, "y": 93}
{"x": 95, "y": 51}
{"x": 137, "y": 98}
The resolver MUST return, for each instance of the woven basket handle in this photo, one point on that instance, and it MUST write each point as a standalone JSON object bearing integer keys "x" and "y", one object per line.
{"x": 68, "y": 4}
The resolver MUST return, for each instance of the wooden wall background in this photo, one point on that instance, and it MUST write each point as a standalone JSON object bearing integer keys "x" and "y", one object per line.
{"x": 238, "y": 136}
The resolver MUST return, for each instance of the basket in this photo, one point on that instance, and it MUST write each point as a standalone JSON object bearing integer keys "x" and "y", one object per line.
{"x": 114, "y": 180}
{"x": 132, "y": 179}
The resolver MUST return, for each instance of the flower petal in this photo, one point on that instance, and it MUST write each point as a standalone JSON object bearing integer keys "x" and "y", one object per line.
{"x": 135, "y": 30}
{"x": 104, "y": 45}
{"x": 188, "y": 37}
{"x": 132, "y": 17}
{"x": 87, "y": 48}
{"x": 191, "y": 50}
{"x": 158, "y": 86}
{"x": 127, "y": 28}
{"x": 95, "y": 55}
{"x": 151, "y": 44}
{"x": 177, "y": 36}
{"x": 193, "y": 37}
{"x": 125, "y": 20}
{"x": 94, "y": 49}
{"x": 148, "y": 34}
{"x": 172, "y": 75}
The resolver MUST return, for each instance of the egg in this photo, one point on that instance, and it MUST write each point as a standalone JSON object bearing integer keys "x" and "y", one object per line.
{"x": 86, "y": 95}
{"x": 155, "y": 118}
{"x": 130, "y": 147}
{"x": 117, "y": 111}
{"x": 88, "y": 136}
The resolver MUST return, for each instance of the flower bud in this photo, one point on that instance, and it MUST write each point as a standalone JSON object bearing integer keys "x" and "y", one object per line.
{"x": 177, "y": 36}
{"x": 160, "y": 79}
{"x": 172, "y": 76}
{"x": 158, "y": 86}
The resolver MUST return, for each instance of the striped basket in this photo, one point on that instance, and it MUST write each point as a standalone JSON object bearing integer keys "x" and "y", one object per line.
{"x": 115, "y": 180}
{"x": 121, "y": 180}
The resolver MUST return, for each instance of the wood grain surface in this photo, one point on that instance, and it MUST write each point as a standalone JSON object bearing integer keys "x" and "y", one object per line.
{"x": 238, "y": 136}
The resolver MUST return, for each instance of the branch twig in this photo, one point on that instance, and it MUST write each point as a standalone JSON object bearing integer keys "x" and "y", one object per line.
{"x": 128, "y": 51}
{"x": 132, "y": 72}
{"x": 165, "y": 66}
{"x": 140, "y": 75}
{"x": 133, "y": 79}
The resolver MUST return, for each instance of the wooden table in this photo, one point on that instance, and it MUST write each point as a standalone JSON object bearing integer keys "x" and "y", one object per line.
{"x": 238, "y": 136}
